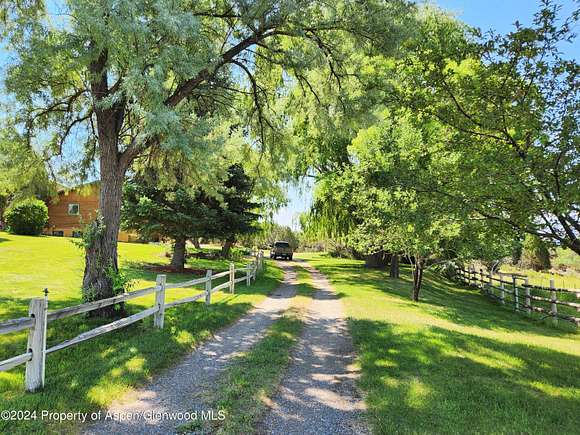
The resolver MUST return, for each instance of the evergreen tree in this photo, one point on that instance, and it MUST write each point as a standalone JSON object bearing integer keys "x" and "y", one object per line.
{"x": 235, "y": 216}
{"x": 175, "y": 213}
{"x": 180, "y": 213}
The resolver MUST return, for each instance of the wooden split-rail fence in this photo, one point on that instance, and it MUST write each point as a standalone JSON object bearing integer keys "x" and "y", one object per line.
{"x": 515, "y": 290}
{"x": 39, "y": 317}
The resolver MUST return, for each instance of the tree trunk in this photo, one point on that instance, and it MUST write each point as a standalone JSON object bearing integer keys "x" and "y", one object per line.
{"x": 394, "y": 272}
{"x": 417, "y": 278}
{"x": 376, "y": 260}
{"x": 101, "y": 244}
{"x": 101, "y": 235}
{"x": 227, "y": 247}
{"x": 3, "y": 205}
{"x": 196, "y": 244}
{"x": 178, "y": 260}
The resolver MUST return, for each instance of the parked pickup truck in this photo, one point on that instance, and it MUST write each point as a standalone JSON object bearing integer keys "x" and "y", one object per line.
{"x": 281, "y": 249}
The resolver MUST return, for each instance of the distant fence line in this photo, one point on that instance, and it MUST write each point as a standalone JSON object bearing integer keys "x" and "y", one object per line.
{"x": 39, "y": 316}
{"x": 524, "y": 296}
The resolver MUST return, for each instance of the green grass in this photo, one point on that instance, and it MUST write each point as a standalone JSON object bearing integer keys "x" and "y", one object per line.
{"x": 247, "y": 384}
{"x": 563, "y": 279}
{"x": 566, "y": 257}
{"x": 92, "y": 374}
{"x": 30, "y": 264}
{"x": 455, "y": 362}
{"x": 569, "y": 280}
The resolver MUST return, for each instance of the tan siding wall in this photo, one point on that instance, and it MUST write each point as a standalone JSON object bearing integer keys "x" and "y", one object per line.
{"x": 60, "y": 220}
{"x": 88, "y": 200}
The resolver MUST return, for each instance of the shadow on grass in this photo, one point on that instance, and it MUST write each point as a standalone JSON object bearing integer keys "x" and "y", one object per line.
{"x": 144, "y": 270}
{"x": 440, "y": 381}
{"x": 445, "y": 300}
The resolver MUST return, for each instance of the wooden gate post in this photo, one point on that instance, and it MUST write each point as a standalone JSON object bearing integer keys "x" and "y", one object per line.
{"x": 248, "y": 275}
{"x": 516, "y": 296}
{"x": 490, "y": 282}
{"x": 232, "y": 277}
{"x": 34, "y": 378}
{"x": 159, "y": 316}
{"x": 528, "y": 298}
{"x": 502, "y": 291}
{"x": 208, "y": 287}
{"x": 554, "y": 310}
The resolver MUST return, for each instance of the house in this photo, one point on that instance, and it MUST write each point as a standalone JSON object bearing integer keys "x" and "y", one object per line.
{"x": 72, "y": 208}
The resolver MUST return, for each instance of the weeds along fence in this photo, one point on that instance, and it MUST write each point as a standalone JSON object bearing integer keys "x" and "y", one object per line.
{"x": 39, "y": 317}
{"x": 516, "y": 291}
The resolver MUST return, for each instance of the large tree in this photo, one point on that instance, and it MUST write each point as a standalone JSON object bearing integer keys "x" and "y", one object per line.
{"x": 181, "y": 213}
{"x": 510, "y": 106}
{"x": 175, "y": 213}
{"x": 427, "y": 229}
{"x": 369, "y": 206}
{"x": 236, "y": 214}
{"x": 128, "y": 77}
{"x": 22, "y": 171}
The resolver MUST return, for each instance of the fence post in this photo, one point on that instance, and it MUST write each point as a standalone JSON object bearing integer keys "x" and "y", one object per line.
{"x": 248, "y": 275}
{"x": 208, "y": 287}
{"x": 528, "y": 298}
{"x": 490, "y": 284}
{"x": 254, "y": 269}
{"x": 36, "y": 344}
{"x": 481, "y": 279}
{"x": 159, "y": 316}
{"x": 554, "y": 310}
{"x": 502, "y": 291}
{"x": 232, "y": 277}
{"x": 516, "y": 296}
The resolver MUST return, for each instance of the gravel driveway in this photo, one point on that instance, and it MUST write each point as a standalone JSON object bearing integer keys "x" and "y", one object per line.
{"x": 180, "y": 388}
{"x": 318, "y": 394}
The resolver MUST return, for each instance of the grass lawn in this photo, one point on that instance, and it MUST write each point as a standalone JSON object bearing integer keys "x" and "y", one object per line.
{"x": 569, "y": 280}
{"x": 91, "y": 374}
{"x": 455, "y": 362}
{"x": 567, "y": 257}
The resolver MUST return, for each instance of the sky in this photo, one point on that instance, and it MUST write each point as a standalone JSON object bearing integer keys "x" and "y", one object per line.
{"x": 498, "y": 15}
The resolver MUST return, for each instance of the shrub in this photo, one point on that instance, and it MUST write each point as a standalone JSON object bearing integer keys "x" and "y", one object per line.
{"x": 535, "y": 254}
{"x": 27, "y": 217}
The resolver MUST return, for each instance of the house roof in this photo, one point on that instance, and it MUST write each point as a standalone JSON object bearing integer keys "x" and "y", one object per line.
{"x": 85, "y": 186}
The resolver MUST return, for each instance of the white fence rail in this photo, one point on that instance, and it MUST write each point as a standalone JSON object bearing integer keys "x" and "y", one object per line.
{"x": 39, "y": 316}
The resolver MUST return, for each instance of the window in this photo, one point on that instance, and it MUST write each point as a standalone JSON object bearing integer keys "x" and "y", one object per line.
{"x": 58, "y": 233}
{"x": 77, "y": 234}
{"x": 74, "y": 209}
{"x": 282, "y": 245}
